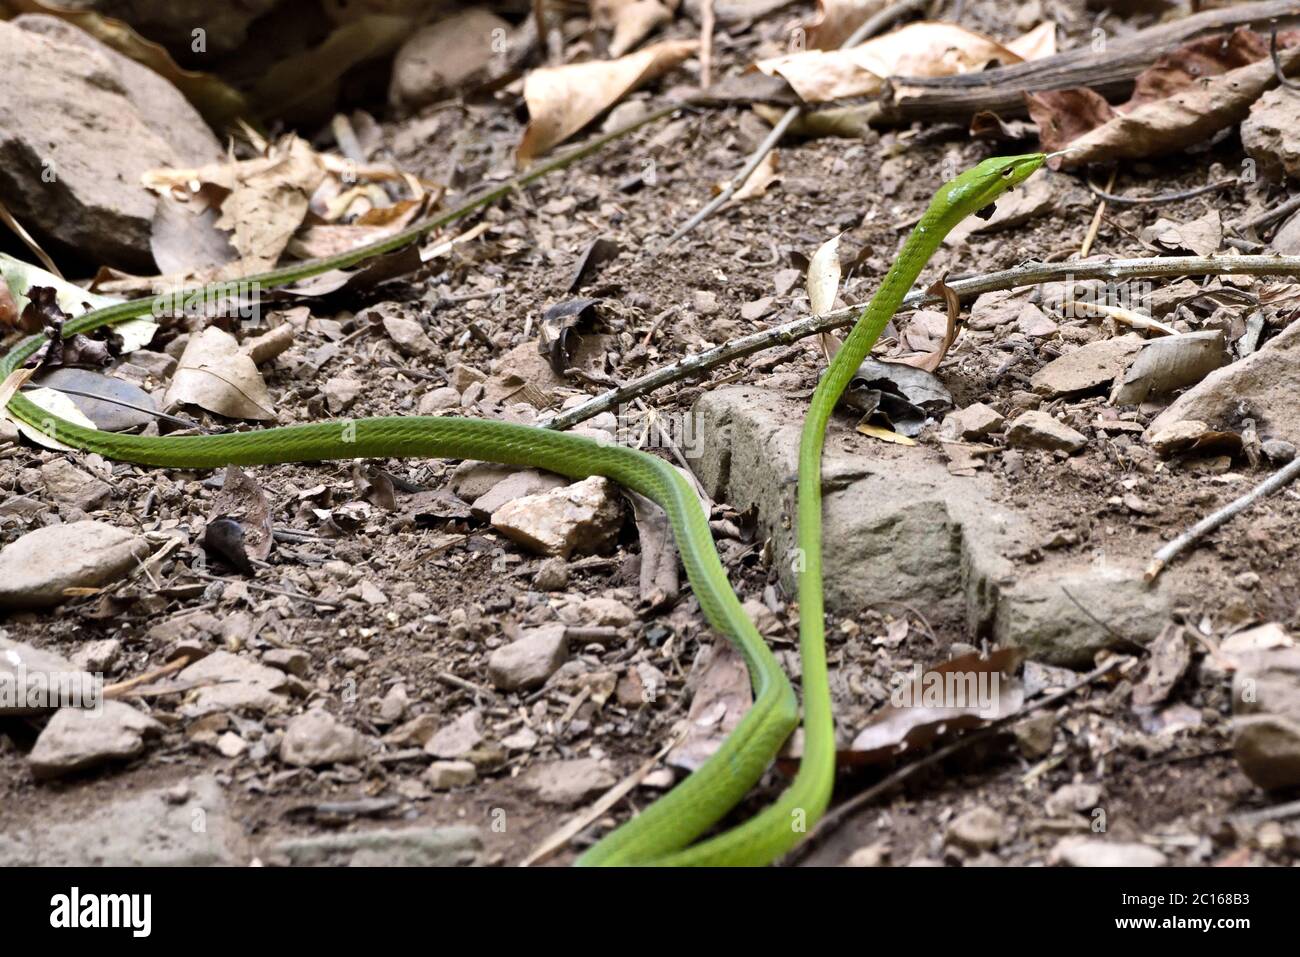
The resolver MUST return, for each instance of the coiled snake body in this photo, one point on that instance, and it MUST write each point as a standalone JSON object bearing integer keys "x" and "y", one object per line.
{"x": 664, "y": 832}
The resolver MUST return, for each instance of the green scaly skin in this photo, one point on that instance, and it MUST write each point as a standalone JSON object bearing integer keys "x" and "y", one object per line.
{"x": 660, "y": 835}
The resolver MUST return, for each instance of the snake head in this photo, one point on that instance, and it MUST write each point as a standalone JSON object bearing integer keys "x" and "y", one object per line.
{"x": 979, "y": 186}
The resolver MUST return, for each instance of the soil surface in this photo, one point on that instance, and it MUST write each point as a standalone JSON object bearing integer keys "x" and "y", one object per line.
{"x": 403, "y": 597}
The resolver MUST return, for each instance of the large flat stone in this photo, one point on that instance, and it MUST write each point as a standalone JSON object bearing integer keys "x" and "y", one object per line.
{"x": 177, "y": 826}
{"x": 899, "y": 528}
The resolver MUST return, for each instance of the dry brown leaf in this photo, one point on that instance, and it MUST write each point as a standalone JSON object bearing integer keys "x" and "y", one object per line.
{"x": 1189, "y": 117}
{"x": 329, "y": 239}
{"x": 837, "y": 19}
{"x": 918, "y": 722}
{"x": 217, "y": 375}
{"x": 722, "y": 697}
{"x": 929, "y": 361}
{"x": 1062, "y": 116}
{"x": 241, "y": 498}
{"x": 1170, "y": 656}
{"x": 630, "y": 20}
{"x": 757, "y": 182}
{"x": 562, "y": 100}
{"x": 918, "y": 49}
{"x": 824, "y": 277}
{"x": 264, "y": 203}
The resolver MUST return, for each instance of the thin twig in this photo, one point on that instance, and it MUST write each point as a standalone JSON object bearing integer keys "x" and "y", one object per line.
{"x": 1096, "y": 219}
{"x": 870, "y": 27}
{"x": 706, "y": 44}
{"x": 602, "y": 804}
{"x": 1029, "y": 274}
{"x": 1277, "y": 64}
{"x": 122, "y": 687}
{"x": 174, "y": 419}
{"x": 1162, "y": 198}
{"x": 1269, "y": 215}
{"x": 1278, "y": 812}
{"x": 1277, "y": 480}
{"x": 838, "y": 816}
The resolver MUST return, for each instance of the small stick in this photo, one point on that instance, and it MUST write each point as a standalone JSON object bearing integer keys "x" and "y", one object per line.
{"x": 1277, "y": 480}
{"x": 1277, "y": 64}
{"x": 706, "y": 44}
{"x": 122, "y": 687}
{"x": 447, "y": 678}
{"x": 1117, "y": 200}
{"x": 606, "y": 801}
{"x": 838, "y": 816}
{"x": 1096, "y": 218}
{"x": 870, "y": 27}
{"x": 1269, "y": 215}
{"x": 1029, "y": 274}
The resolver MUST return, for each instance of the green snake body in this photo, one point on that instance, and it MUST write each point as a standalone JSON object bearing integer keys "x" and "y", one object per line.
{"x": 662, "y": 834}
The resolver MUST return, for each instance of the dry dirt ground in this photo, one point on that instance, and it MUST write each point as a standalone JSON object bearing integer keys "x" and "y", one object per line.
{"x": 442, "y": 593}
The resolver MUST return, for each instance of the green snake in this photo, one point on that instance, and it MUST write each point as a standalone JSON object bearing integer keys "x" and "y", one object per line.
{"x": 663, "y": 833}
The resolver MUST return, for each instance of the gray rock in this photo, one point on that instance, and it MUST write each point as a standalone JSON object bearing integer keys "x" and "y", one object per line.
{"x": 316, "y": 738}
{"x": 76, "y": 739}
{"x": 33, "y": 681}
{"x": 384, "y": 847}
{"x": 901, "y": 528}
{"x": 99, "y": 655}
{"x": 1287, "y": 238}
{"x": 976, "y": 421}
{"x": 567, "y": 782}
{"x": 1038, "y": 430}
{"x": 293, "y": 661}
{"x": 1088, "y": 368}
{"x": 979, "y": 829}
{"x": 66, "y": 483}
{"x": 528, "y": 662}
{"x": 1265, "y": 386}
{"x": 552, "y": 575}
{"x": 408, "y": 335}
{"x": 439, "y": 400}
{"x": 1266, "y": 722}
{"x": 445, "y": 775}
{"x": 1094, "y": 852}
{"x": 1279, "y": 450}
{"x": 584, "y": 517}
{"x": 79, "y": 124}
{"x": 232, "y": 683}
{"x": 35, "y": 570}
{"x": 457, "y": 739}
{"x": 1072, "y": 799}
{"x": 184, "y": 825}
{"x": 340, "y": 392}
{"x": 516, "y": 486}
{"x": 443, "y": 56}
{"x": 1271, "y": 134}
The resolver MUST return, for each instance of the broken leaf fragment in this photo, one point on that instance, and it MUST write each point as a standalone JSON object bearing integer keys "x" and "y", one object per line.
{"x": 563, "y": 99}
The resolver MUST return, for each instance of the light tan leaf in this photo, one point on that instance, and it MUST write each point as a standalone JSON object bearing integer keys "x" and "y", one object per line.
{"x": 918, "y": 49}
{"x": 266, "y": 199}
{"x": 1191, "y": 116}
{"x": 837, "y": 19}
{"x": 884, "y": 434}
{"x": 215, "y": 374}
{"x": 563, "y": 99}
{"x": 57, "y": 404}
{"x": 1037, "y": 43}
{"x": 722, "y": 696}
{"x": 757, "y": 182}
{"x": 631, "y": 21}
{"x": 824, "y": 277}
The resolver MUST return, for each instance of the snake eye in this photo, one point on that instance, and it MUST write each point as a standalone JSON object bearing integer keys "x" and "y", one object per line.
{"x": 1006, "y": 173}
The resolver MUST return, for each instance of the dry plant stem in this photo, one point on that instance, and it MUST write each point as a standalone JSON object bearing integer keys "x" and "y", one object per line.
{"x": 706, "y": 44}
{"x": 1269, "y": 215}
{"x": 835, "y": 818}
{"x": 870, "y": 27}
{"x": 1156, "y": 200}
{"x": 1096, "y": 219}
{"x": 1165, "y": 555}
{"x": 1030, "y": 274}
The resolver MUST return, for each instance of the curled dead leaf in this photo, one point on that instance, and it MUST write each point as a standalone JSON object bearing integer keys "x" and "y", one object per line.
{"x": 563, "y": 99}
